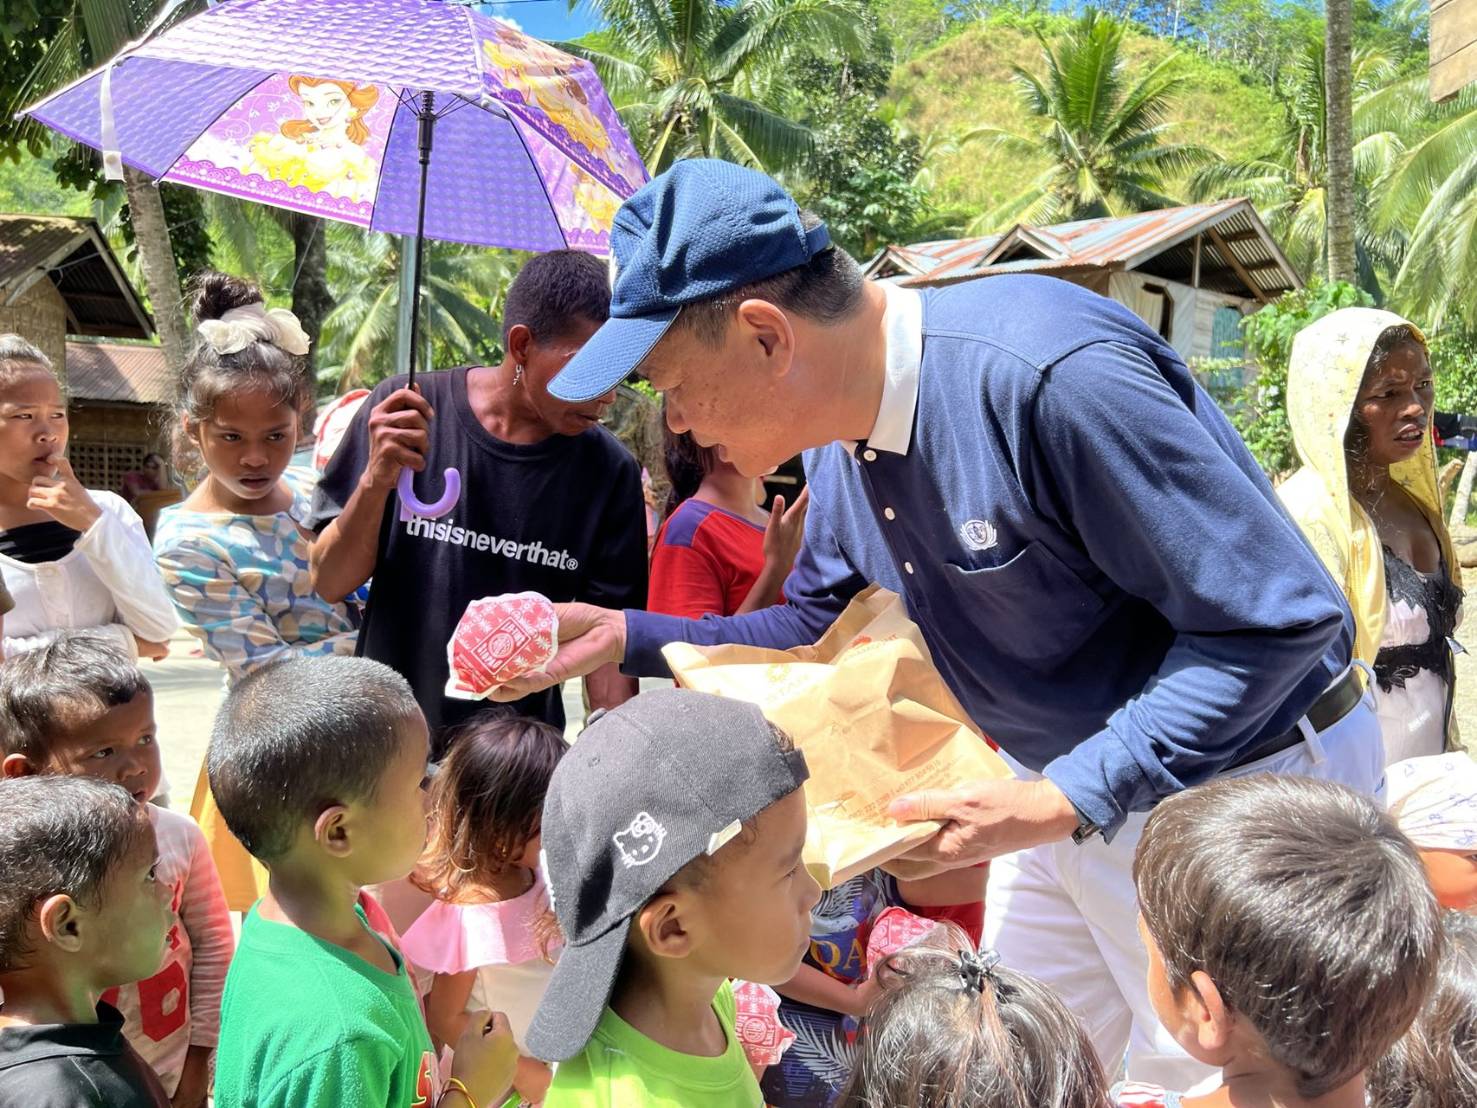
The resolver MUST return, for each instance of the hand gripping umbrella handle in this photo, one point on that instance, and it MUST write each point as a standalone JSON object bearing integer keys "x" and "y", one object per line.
{"x": 412, "y": 505}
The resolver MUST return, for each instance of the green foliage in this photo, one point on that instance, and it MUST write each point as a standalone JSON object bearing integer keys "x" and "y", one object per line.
{"x": 26, "y": 29}
{"x": 461, "y": 301}
{"x": 1288, "y": 181}
{"x": 30, "y": 185}
{"x": 969, "y": 80}
{"x": 1270, "y": 331}
{"x": 1453, "y": 352}
{"x": 708, "y": 78}
{"x": 1108, "y": 143}
{"x": 862, "y": 176}
{"x": 1259, "y": 410}
{"x": 917, "y": 24}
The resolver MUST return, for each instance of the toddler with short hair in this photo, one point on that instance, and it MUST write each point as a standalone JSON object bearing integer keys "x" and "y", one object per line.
{"x": 79, "y": 705}
{"x": 673, "y": 835}
{"x": 80, "y": 913}
{"x": 1292, "y": 938}
{"x": 489, "y": 935}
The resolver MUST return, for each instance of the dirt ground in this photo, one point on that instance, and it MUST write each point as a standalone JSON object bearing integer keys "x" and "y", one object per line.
{"x": 1466, "y": 696}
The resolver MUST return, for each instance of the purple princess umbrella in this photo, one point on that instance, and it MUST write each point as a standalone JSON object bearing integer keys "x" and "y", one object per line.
{"x": 413, "y": 117}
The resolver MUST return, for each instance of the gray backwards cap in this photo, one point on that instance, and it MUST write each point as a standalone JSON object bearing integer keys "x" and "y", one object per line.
{"x": 663, "y": 779}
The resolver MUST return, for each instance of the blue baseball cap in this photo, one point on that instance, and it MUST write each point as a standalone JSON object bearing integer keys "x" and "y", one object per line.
{"x": 699, "y": 230}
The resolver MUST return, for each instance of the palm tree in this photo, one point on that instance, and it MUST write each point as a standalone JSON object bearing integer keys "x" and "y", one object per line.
{"x": 461, "y": 298}
{"x": 702, "y": 78}
{"x": 1108, "y": 141}
{"x": 1430, "y": 195}
{"x": 95, "y": 30}
{"x": 1339, "y": 113}
{"x": 1289, "y": 183}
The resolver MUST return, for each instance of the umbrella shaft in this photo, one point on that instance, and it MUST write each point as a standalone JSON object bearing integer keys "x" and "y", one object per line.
{"x": 427, "y": 127}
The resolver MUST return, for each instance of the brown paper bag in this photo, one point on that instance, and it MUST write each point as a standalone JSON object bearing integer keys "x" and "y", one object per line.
{"x": 872, "y": 715}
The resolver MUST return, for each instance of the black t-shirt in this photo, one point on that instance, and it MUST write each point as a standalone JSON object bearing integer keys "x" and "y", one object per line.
{"x": 77, "y": 1065}
{"x": 563, "y": 517}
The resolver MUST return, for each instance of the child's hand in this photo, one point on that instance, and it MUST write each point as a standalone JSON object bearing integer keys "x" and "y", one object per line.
{"x": 63, "y": 498}
{"x": 154, "y": 651}
{"x": 194, "y": 1080}
{"x": 486, "y": 1056}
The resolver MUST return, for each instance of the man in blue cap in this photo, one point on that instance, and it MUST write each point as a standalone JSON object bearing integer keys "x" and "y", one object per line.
{"x": 1101, "y": 571}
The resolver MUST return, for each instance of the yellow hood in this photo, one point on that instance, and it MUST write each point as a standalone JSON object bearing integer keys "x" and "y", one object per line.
{"x": 1327, "y": 367}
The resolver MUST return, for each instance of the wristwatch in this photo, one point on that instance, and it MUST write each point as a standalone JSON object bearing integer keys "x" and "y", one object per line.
{"x": 1086, "y": 829}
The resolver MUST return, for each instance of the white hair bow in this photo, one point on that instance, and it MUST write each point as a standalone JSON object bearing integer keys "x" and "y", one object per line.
{"x": 238, "y": 328}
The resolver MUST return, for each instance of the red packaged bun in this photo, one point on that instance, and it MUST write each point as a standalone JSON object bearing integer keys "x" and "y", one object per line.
{"x": 499, "y": 639}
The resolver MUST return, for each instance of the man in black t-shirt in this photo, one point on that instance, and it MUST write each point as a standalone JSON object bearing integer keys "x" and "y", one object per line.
{"x": 551, "y": 501}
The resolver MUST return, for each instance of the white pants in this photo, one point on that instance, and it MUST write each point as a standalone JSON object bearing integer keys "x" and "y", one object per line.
{"x": 1067, "y": 914}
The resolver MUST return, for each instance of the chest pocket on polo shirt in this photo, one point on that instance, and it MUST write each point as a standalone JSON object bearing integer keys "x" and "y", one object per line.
{"x": 1032, "y": 607}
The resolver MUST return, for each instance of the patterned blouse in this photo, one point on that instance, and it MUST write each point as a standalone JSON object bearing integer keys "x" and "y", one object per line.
{"x": 242, "y": 584}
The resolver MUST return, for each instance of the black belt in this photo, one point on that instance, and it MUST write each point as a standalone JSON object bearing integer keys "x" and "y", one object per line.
{"x": 1337, "y": 701}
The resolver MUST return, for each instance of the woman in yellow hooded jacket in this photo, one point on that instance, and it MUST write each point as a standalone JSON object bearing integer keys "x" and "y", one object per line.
{"x": 1359, "y": 398}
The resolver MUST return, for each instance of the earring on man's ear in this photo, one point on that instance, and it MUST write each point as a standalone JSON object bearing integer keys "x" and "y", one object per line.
{"x": 518, "y": 374}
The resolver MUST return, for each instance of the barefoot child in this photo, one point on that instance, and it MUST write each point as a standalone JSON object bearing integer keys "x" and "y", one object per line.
{"x": 319, "y": 765}
{"x": 672, "y": 833}
{"x": 490, "y": 935}
{"x": 1292, "y": 938}
{"x": 80, "y": 912}
{"x": 80, "y": 706}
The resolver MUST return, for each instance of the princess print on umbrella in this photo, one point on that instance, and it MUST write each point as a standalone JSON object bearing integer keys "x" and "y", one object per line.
{"x": 543, "y": 77}
{"x": 324, "y": 150}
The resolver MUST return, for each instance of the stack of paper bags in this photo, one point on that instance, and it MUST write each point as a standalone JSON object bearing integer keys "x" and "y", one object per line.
{"x": 872, "y": 715}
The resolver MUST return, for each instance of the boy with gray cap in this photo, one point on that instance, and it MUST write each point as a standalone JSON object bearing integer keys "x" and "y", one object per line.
{"x": 672, "y": 837}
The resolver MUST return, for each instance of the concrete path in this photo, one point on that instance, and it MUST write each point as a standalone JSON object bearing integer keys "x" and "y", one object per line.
{"x": 187, "y": 693}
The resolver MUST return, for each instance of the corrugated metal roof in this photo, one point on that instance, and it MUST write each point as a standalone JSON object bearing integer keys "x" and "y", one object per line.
{"x": 75, "y": 257}
{"x": 1165, "y": 237}
{"x": 118, "y": 373}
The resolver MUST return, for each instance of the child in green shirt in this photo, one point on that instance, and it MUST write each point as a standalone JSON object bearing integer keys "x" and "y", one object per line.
{"x": 318, "y": 766}
{"x": 672, "y": 837}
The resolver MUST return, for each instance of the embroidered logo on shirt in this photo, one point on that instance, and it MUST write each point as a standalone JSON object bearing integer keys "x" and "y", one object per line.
{"x": 641, "y": 841}
{"x": 978, "y": 534}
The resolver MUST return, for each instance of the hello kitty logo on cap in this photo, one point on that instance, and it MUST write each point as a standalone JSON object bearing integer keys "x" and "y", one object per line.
{"x": 641, "y": 841}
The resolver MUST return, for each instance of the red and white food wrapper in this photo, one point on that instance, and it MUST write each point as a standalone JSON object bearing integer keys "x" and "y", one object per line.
{"x": 758, "y": 1026}
{"x": 895, "y": 929}
{"x": 499, "y": 639}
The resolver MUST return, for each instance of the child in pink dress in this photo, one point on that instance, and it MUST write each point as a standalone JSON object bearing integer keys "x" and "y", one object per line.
{"x": 489, "y": 935}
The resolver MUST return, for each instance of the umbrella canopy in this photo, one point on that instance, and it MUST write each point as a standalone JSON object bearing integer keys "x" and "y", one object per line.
{"x": 313, "y": 105}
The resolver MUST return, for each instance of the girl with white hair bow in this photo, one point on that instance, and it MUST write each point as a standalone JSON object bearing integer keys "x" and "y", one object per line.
{"x": 234, "y": 555}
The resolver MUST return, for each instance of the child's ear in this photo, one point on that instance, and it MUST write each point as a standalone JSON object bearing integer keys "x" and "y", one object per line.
{"x": 1208, "y": 1014}
{"x": 18, "y": 765}
{"x": 661, "y": 926}
{"x": 61, "y": 922}
{"x": 331, "y": 830}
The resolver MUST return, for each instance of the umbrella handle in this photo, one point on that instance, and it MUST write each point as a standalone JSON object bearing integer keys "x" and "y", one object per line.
{"x": 412, "y": 505}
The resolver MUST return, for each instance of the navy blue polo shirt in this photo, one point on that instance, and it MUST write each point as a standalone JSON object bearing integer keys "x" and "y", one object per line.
{"x": 1103, "y": 574}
